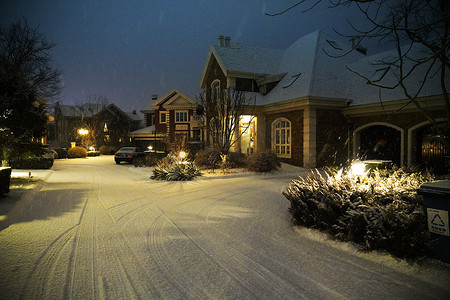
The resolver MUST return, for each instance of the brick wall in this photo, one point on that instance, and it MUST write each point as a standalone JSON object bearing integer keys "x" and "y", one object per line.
{"x": 296, "y": 119}
{"x": 331, "y": 138}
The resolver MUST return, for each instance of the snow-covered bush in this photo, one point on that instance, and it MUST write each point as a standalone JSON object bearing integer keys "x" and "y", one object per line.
{"x": 208, "y": 158}
{"x": 265, "y": 161}
{"x": 379, "y": 211}
{"x": 235, "y": 160}
{"x": 172, "y": 169}
{"x": 107, "y": 150}
{"x": 31, "y": 156}
{"x": 148, "y": 160}
{"x": 77, "y": 152}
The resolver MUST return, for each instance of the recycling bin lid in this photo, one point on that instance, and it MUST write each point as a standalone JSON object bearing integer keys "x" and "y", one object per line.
{"x": 439, "y": 187}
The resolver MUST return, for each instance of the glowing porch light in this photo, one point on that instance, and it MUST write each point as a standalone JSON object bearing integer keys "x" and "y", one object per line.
{"x": 150, "y": 147}
{"x": 182, "y": 154}
{"x": 245, "y": 119}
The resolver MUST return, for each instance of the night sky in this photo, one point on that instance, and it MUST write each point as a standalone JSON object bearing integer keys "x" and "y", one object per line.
{"x": 129, "y": 50}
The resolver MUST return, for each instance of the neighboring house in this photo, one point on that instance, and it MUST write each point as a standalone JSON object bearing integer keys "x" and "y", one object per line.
{"x": 106, "y": 124}
{"x": 170, "y": 117}
{"x": 312, "y": 111}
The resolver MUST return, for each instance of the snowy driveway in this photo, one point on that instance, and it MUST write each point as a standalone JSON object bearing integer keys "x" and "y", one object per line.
{"x": 97, "y": 230}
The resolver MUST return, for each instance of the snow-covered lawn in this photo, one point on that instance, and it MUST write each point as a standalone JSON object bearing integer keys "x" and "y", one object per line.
{"x": 99, "y": 230}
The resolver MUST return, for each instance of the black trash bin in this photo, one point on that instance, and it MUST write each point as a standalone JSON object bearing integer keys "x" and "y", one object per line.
{"x": 436, "y": 201}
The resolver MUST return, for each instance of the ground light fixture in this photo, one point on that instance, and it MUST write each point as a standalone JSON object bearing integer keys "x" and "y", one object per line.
{"x": 358, "y": 168}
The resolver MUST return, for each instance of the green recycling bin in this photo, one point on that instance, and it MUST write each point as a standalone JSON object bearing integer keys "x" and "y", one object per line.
{"x": 436, "y": 201}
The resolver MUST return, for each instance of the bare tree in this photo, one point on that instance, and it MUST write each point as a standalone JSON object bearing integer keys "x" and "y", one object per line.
{"x": 222, "y": 113}
{"x": 28, "y": 50}
{"x": 419, "y": 31}
{"x": 90, "y": 120}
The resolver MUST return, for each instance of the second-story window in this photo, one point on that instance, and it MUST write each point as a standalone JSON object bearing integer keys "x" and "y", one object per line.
{"x": 162, "y": 117}
{"x": 215, "y": 89}
{"x": 181, "y": 116}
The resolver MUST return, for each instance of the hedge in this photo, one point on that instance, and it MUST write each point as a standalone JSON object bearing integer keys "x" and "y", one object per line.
{"x": 5, "y": 180}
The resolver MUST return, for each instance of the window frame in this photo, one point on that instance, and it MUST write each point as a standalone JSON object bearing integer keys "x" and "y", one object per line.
{"x": 215, "y": 89}
{"x": 282, "y": 137}
{"x": 165, "y": 117}
{"x": 178, "y": 113}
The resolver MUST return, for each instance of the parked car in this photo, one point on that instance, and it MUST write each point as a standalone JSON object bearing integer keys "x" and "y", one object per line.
{"x": 127, "y": 154}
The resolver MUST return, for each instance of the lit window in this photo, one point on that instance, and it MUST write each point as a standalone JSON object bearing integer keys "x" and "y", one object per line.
{"x": 181, "y": 116}
{"x": 281, "y": 142}
{"x": 162, "y": 117}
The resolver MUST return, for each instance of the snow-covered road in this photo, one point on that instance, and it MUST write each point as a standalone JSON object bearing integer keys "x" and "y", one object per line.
{"x": 97, "y": 230}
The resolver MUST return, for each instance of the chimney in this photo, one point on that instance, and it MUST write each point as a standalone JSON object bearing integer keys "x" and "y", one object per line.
{"x": 134, "y": 111}
{"x": 227, "y": 41}
{"x": 154, "y": 97}
{"x": 220, "y": 40}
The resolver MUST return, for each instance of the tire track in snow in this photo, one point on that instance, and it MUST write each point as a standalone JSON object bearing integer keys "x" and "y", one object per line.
{"x": 127, "y": 269}
{"x": 184, "y": 283}
{"x": 165, "y": 262}
{"x": 265, "y": 279}
{"x": 83, "y": 272}
{"x": 40, "y": 279}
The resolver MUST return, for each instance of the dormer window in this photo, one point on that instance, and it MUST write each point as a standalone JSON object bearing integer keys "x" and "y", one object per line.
{"x": 334, "y": 45}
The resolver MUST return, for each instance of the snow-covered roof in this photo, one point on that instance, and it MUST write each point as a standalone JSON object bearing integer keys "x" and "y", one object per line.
{"x": 312, "y": 69}
{"x": 248, "y": 59}
{"x": 174, "y": 98}
{"x": 90, "y": 110}
{"x": 363, "y": 93}
{"x": 133, "y": 116}
{"x": 316, "y": 65}
{"x": 143, "y": 131}
{"x": 87, "y": 110}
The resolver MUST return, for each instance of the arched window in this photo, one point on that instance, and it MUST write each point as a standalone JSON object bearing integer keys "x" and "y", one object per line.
{"x": 281, "y": 137}
{"x": 215, "y": 89}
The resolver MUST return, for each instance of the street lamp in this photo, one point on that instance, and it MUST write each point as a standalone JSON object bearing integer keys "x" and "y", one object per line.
{"x": 83, "y": 131}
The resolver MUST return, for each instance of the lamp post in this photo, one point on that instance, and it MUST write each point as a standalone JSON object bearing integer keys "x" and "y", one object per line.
{"x": 83, "y": 133}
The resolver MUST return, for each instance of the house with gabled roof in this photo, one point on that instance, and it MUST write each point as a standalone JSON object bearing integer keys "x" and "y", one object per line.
{"x": 312, "y": 109}
{"x": 170, "y": 117}
{"x": 109, "y": 125}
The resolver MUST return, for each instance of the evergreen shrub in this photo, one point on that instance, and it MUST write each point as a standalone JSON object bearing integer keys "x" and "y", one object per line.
{"x": 265, "y": 161}
{"x": 379, "y": 211}
{"x": 173, "y": 169}
{"x": 208, "y": 158}
{"x": 148, "y": 160}
{"x": 60, "y": 152}
{"x": 5, "y": 180}
{"x": 77, "y": 152}
{"x": 31, "y": 156}
{"x": 107, "y": 150}
{"x": 236, "y": 160}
